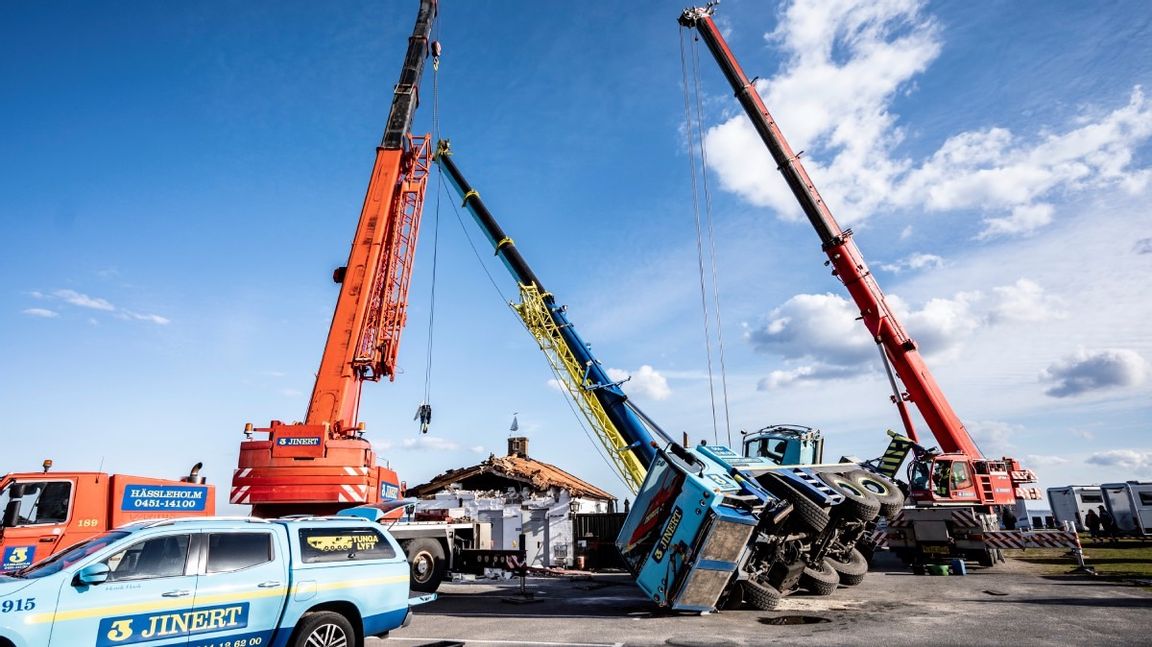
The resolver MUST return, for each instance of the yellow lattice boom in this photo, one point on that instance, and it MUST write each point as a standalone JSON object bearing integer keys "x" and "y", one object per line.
{"x": 538, "y": 320}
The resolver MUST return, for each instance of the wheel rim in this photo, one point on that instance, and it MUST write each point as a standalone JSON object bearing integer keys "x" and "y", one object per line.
{"x": 850, "y": 487}
{"x": 875, "y": 487}
{"x": 327, "y": 635}
{"x": 422, "y": 565}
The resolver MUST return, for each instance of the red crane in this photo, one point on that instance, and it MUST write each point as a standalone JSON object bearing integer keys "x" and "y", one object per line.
{"x": 324, "y": 463}
{"x": 960, "y": 474}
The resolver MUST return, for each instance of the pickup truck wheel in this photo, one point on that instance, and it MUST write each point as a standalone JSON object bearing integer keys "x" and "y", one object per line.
{"x": 324, "y": 629}
{"x": 858, "y": 502}
{"x": 820, "y": 579}
{"x": 426, "y": 563}
{"x": 852, "y": 570}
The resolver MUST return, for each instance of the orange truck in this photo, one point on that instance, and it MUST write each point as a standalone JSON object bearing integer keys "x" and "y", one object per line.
{"x": 46, "y": 512}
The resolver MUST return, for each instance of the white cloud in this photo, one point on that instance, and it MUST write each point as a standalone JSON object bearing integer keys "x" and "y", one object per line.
{"x": 646, "y": 382}
{"x": 156, "y": 319}
{"x": 1032, "y": 460}
{"x": 291, "y": 393}
{"x": 83, "y": 300}
{"x": 1024, "y": 301}
{"x": 43, "y": 313}
{"x": 820, "y": 327}
{"x": 997, "y": 172}
{"x": 942, "y": 325}
{"x": 1024, "y": 219}
{"x": 477, "y": 449}
{"x": 1130, "y": 459}
{"x": 845, "y": 63}
{"x": 1094, "y": 370}
{"x": 993, "y": 436}
{"x": 917, "y": 261}
{"x": 824, "y": 99}
{"x": 820, "y": 336}
{"x": 1143, "y": 246}
{"x": 806, "y": 374}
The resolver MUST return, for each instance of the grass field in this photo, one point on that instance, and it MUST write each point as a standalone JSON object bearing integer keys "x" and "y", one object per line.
{"x": 1124, "y": 559}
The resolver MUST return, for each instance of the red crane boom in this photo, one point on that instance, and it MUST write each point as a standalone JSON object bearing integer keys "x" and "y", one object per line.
{"x": 960, "y": 474}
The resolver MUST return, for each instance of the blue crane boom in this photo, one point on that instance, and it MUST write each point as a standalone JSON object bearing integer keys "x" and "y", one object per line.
{"x": 709, "y": 527}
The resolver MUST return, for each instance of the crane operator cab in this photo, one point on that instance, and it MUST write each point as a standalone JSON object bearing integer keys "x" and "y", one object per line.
{"x": 948, "y": 478}
{"x": 786, "y": 444}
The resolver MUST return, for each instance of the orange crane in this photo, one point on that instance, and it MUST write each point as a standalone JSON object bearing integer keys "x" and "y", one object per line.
{"x": 325, "y": 463}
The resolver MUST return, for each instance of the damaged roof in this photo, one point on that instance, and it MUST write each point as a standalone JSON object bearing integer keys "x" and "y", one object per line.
{"x": 537, "y": 474}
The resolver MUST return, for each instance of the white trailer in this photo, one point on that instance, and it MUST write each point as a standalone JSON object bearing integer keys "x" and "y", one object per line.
{"x": 1072, "y": 502}
{"x": 1131, "y": 506}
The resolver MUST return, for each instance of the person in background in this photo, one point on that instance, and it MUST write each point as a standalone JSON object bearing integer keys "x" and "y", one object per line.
{"x": 1009, "y": 518}
{"x": 1092, "y": 523}
{"x": 1107, "y": 524}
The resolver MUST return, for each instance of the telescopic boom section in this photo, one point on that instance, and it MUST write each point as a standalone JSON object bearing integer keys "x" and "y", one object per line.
{"x": 618, "y": 423}
{"x": 324, "y": 463}
{"x": 845, "y": 258}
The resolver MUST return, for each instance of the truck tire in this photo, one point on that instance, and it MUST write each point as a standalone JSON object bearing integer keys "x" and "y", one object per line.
{"x": 427, "y": 564}
{"x": 882, "y": 489}
{"x": 810, "y": 513}
{"x": 858, "y": 503}
{"x": 821, "y": 579}
{"x": 760, "y": 596}
{"x": 852, "y": 570}
{"x": 324, "y": 629}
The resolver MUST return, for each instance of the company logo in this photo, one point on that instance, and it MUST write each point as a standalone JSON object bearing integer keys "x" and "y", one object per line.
{"x": 17, "y": 557}
{"x": 152, "y": 498}
{"x": 669, "y": 532}
{"x": 144, "y": 627}
{"x": 389, "y": 491}
{"x": 306, "y": 441}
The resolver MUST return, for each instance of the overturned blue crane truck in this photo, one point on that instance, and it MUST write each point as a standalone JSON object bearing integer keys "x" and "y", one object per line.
{"x": 710, "y": 528}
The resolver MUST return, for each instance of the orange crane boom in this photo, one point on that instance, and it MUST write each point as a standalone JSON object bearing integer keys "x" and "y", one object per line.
{"x": 324, "y": 463}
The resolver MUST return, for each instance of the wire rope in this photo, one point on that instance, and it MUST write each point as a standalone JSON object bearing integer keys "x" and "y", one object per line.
{"x": 711, "y": 239}
{"x": 688, "y": 122}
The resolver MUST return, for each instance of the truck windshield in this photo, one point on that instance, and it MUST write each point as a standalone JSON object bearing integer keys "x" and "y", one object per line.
{"x": 55, "y": 563}
{"x": 40, "y": 501}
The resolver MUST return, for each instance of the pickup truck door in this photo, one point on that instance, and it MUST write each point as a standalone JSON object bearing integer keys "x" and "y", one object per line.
{"x": 242, "y": 586}
{"x": 149, "y": 590}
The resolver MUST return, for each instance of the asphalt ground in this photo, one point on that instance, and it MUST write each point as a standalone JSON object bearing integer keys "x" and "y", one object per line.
{"x": 1011, "y": 604}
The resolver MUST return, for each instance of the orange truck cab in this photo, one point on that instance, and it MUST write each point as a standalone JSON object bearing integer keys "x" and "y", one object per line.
{"x": 46, "y": 512}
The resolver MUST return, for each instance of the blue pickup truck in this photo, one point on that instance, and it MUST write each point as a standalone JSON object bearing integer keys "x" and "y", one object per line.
{"x": 321, "y": 582}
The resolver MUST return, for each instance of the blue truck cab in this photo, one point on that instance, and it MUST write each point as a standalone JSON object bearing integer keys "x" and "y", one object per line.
{"x": 214, "y": 582}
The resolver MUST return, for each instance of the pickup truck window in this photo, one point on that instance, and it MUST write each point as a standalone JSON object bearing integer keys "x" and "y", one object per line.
{"x": 58, "y": 561}
{"x": 234, "y": 551}
{"x": 152, "y": 558}
{"x": 343, "y": 544}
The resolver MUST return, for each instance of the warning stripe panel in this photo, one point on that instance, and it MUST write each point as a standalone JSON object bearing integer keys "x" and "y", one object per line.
{"x": 1037, "y": 539}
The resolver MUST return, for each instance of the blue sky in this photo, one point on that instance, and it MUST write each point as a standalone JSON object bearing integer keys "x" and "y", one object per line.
{"x": 178, "y": 181}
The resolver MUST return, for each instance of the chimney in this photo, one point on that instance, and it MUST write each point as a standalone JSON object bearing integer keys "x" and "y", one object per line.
{"x": 518, "y": 446}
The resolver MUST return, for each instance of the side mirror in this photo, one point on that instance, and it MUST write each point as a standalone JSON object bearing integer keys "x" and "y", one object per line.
{"x": 93, "y": 574}
{"x": 12, "y": 513}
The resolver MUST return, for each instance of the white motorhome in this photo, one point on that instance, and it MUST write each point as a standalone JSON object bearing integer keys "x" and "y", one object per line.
{"x": 1072, "y": 502}
{"x": 1131, "y": 506}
